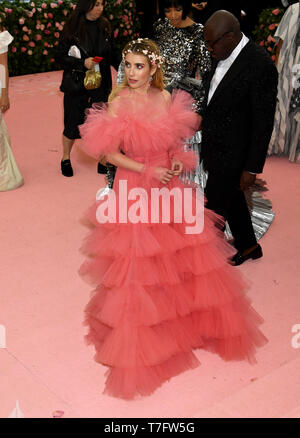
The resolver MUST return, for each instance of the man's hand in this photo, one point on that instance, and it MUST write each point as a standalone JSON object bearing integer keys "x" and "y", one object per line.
{"x": 200, "y": 122}
{"x": 247, "y": 180}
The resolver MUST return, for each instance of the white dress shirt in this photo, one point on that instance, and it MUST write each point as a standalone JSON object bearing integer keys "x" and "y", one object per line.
{"x": 224, "y": 66}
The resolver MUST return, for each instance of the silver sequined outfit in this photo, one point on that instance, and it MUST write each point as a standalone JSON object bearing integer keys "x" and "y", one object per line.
{"x": 185, "y": 55}
{"x": 184, "y": 52}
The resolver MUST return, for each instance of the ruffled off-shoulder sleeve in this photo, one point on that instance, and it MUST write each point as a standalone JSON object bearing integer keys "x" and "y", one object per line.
{"x": 185, "y": 123}
{"x": 5, "y": 40}
{"x": 103, "y": 130}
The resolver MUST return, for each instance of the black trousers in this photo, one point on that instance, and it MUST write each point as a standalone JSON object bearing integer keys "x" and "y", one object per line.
{"x": 225, "y": 197}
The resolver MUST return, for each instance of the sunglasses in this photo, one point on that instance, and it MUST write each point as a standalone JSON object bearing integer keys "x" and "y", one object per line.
{"x": 212, "y": 45}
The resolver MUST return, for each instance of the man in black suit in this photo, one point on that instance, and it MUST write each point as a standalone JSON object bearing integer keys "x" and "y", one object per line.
{"x": 237, "y": 125}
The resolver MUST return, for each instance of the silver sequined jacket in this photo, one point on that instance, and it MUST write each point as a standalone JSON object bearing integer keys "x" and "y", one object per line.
{"x": 184, "y": 52}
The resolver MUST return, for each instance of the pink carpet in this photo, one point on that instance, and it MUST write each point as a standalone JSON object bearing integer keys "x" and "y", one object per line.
{"x": 46, "y": 366}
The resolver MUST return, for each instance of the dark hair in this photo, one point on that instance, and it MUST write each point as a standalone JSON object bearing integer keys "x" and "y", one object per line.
{"x": 186, "y": 6}
{"x": 75, "y": 26}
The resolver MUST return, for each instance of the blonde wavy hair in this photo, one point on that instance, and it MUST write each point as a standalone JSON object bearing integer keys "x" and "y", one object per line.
{"x": 149, "y": 49}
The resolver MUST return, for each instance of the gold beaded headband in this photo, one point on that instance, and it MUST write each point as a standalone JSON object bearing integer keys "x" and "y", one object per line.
{"x": 154, "y": 57}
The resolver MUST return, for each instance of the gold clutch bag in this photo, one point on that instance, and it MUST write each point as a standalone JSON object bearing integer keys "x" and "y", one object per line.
{"x": 92, "y": 79}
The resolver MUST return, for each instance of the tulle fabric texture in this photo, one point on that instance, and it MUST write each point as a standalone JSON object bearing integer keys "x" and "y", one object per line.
{"x": 160, "y": 293}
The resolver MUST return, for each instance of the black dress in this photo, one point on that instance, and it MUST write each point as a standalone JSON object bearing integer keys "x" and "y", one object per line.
{"x": 97, "y": 43}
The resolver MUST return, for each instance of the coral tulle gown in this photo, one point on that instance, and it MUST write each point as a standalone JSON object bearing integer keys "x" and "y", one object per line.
{"x": 160, "y": 293}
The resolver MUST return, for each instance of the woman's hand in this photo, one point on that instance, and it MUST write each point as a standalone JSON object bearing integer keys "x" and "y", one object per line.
{"x": 177, "y": 167}
{"x": 247, "y": 180}
{"x": 4, "y": 101}
{"x": 199, "y": 6}
{"x": 200, "y": 123}
{"x": 163, "y": 174}
{"x": 89, "y": 63}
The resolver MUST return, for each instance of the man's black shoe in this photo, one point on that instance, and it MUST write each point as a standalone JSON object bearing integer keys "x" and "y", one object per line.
{"x": 239, "y": 258}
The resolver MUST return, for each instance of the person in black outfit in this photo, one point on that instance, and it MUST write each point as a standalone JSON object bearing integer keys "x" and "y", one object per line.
{"x": 91, "y": 33}
{"x": 147, "y": 11}
{"x": 237, "y": 125}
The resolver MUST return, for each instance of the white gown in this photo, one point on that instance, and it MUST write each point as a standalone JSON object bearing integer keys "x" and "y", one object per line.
{"x": 286, "y": 133}
{"x": 10, "y": 176}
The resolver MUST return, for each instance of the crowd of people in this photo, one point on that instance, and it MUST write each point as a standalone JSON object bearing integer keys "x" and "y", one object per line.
{"x": 194, "y": 107}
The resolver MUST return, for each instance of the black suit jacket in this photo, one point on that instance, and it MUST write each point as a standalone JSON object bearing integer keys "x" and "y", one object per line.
{"x": 238, "y": 121}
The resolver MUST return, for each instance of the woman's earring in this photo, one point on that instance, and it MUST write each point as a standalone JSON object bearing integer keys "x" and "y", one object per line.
{"x": 150, "y": 79}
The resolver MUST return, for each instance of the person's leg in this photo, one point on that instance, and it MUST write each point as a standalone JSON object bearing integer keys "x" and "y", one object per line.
{"x": 74, "y": 107}
{"x": 96, "y": 98}
{"x": 238, "y": 217}
{"x": 226, "y": 199}
{"x": 214, "y": 193}
{"x": 239, "y": 220}
{"x": 67, "y": 147}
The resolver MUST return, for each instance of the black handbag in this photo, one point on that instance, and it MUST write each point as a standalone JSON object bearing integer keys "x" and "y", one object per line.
{"x": 72, "y": 81}
{"x": 190, "y": 85}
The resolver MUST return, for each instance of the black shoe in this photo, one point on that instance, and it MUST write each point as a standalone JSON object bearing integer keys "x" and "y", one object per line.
{"x": 239, "y": 258}
{"x": 102, "y": 169}
{"x": 66, "y": 168}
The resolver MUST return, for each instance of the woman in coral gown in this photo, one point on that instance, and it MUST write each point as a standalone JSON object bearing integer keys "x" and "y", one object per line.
{"x": 10, "y": 176}
{"x": 161, "y": 290}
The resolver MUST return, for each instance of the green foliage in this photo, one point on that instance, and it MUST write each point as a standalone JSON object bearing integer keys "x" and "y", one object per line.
{"x": 122, "y": 15}
{"x": 36, "y": 27}
{"x": 264, "y": 32}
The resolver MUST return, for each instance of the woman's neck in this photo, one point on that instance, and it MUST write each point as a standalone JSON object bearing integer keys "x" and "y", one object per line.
{"x": 140, "y": 91}
{"x": 88, "y": 18}
{"x": 187, "y": 22}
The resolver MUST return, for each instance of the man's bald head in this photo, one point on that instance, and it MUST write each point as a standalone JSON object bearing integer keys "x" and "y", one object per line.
{"x": 223, "y": 21}
{"x": 223, "y": 33}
